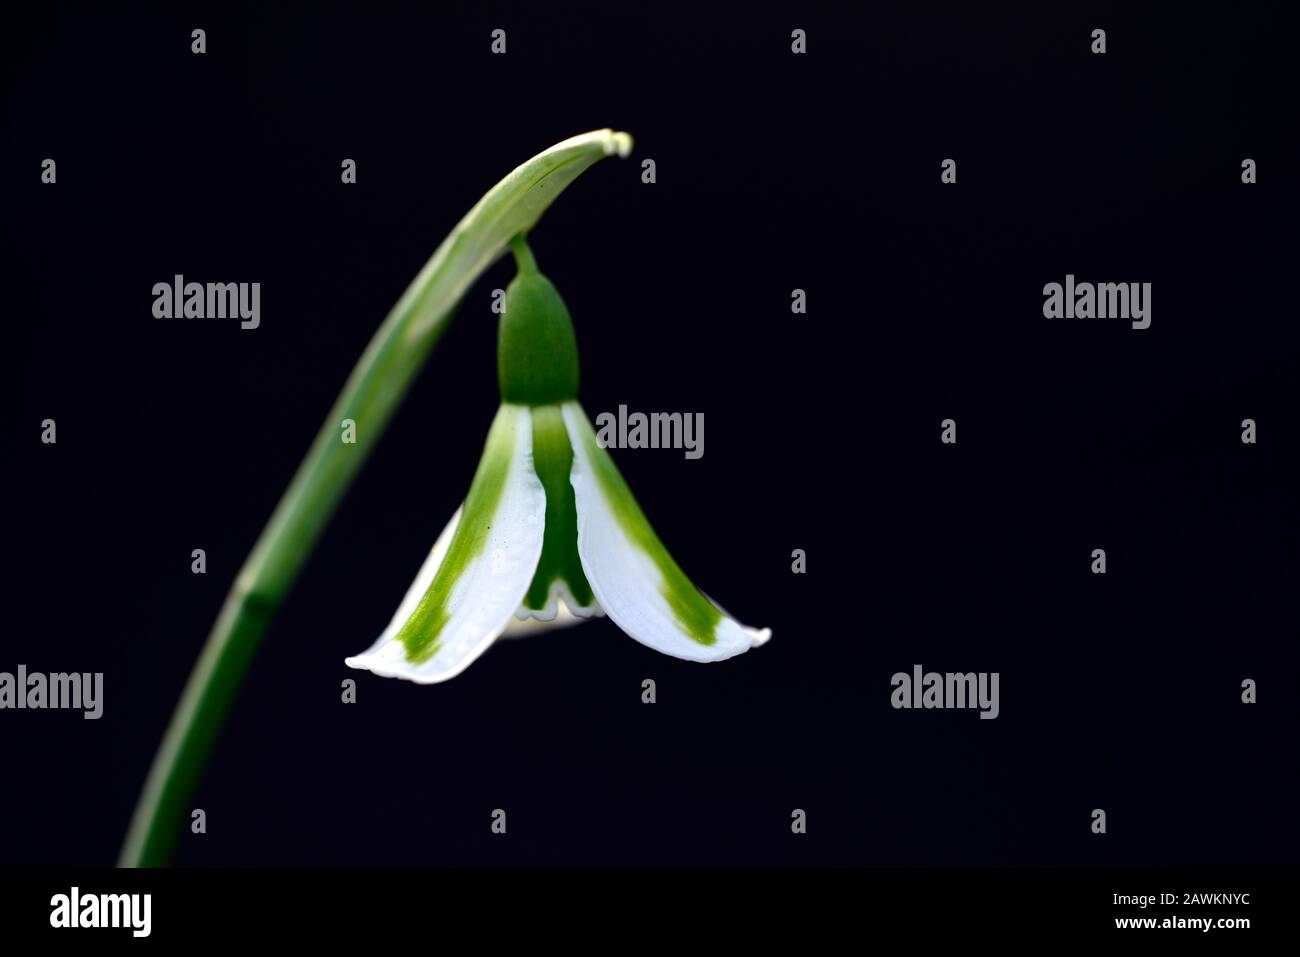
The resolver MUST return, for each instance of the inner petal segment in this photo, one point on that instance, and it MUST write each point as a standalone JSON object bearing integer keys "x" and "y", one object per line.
{"x": 559, "y": 574}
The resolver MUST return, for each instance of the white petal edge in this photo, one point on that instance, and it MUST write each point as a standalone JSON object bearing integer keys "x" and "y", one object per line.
{"x": 625, "y": 580}
{"x": 490, "y": 589}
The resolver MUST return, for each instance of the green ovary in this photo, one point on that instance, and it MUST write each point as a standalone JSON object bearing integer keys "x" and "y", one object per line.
{"x": 537, "y": 352}
{"x": 553, "y": 459}
{"x": 422, "y": 630}
{"x": 697, "y": 616}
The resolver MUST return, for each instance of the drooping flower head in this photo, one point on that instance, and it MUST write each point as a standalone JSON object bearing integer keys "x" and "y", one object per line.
{"x": 550, "y": 532}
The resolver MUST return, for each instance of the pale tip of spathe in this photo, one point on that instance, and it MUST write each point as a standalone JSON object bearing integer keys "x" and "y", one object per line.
{"x": 620, "y": 143}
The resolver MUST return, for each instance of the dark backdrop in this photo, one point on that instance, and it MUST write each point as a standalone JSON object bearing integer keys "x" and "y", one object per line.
{"x": 775, "y": 171}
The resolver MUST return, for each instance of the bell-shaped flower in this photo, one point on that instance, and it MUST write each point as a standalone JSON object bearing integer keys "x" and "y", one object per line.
{"x": 550, "y": 532}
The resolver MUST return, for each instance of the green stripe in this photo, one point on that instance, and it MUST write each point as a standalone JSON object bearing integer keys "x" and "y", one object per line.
{"x": 553, "y": 458}
{"x": 422, "y": 630}
{"x": 696, "y": 615}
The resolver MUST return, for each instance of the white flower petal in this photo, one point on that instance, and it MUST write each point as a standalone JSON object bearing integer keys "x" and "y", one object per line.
{"x": 630, "y": 572}
{"x": 490, "y": 550}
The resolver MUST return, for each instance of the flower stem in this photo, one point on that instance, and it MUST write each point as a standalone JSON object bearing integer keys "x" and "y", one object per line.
{"x": 524, "y": 260}
{"x": 372, "y": 393}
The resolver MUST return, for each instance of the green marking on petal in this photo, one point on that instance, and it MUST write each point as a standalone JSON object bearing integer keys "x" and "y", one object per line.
{"x": 421, "y": 631}
{"x": 553, "y": 459}
{"x": 696, "y": 614}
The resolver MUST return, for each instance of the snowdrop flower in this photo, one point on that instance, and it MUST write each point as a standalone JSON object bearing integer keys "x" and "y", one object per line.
{"x": 549, "y": 533}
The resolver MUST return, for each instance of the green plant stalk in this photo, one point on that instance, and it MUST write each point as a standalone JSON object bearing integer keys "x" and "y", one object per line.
{"x": 372, "y": 393}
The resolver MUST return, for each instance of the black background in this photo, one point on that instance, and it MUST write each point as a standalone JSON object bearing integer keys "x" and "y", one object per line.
{"x": 775, "y": 171}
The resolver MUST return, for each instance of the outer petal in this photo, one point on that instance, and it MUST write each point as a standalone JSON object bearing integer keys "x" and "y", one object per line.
{"x": 632, "y": 575}
{"x": 562, "y": 611}
{"x": 476, "y": 576}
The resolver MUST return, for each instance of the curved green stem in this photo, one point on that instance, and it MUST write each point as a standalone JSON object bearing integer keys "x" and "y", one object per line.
{"x": 524, "y": 260}
{"x": 371, "y": 395}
